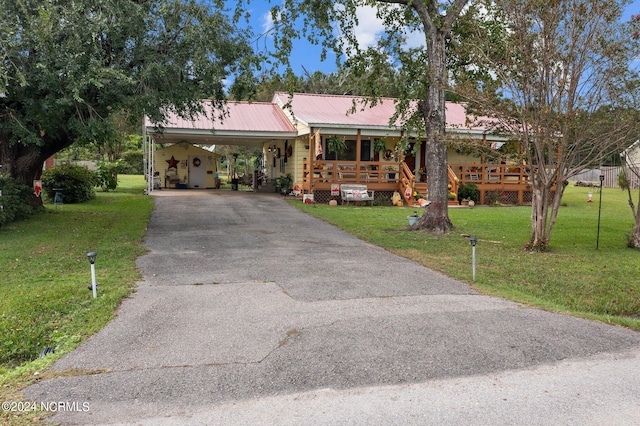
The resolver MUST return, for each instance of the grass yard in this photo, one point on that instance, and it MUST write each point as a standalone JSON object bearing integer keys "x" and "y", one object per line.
{"x": 45, "y": 300}
{"x": 571, "y": 277}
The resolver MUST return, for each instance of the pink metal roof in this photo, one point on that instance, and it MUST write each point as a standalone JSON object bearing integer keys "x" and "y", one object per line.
{"x": 264, "y": 118}
{"x": 242, "y": 117}
{"x": 317, "y": 110}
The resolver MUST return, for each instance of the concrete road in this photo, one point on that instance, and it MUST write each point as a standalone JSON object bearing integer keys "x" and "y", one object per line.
{"x": 252, "y": 312}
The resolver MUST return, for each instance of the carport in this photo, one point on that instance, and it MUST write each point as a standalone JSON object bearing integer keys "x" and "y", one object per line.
{"x": 257, "y": 124}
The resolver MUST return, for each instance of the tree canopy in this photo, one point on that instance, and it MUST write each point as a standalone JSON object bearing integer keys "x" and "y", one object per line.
{"x": 68, "y": 66}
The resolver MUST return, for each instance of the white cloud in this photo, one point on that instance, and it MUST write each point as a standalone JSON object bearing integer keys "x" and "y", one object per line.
{"x": 369, "y": 26}
{"x": 415, "y": 39}
{"x": 267, "y": 21}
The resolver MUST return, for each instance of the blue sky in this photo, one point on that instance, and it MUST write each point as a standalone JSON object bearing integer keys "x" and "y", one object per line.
{"x": 308, "y": 55}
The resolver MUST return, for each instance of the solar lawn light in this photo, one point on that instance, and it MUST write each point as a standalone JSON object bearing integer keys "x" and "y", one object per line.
{"x": 93, "y": 286}
{"x": 473, "y": 241}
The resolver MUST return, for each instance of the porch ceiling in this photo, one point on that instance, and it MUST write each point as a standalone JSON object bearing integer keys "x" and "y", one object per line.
{"x": 208, "y": 137}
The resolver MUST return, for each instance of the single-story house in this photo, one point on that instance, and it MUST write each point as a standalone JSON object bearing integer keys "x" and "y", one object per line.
{"x": 295, "y": 133}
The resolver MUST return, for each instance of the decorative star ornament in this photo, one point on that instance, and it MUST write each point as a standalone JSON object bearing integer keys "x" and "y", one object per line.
{"x": 173, "y": 163}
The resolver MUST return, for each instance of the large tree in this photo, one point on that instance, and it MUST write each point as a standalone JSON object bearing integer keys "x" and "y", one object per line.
{"x": 556, "y": 76}
{"x": 423, "y": 69}
{"x": 68, "y": 66}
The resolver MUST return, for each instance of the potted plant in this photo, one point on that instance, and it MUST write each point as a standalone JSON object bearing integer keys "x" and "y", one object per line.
{"x": 284, "y": 183}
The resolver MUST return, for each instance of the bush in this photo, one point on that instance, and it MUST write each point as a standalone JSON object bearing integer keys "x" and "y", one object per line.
{"x": 15, "y": 200}
{"x": 469, "y": 191}
{"x": 132, "y": 163}
{"x": 76, "y": 183}
{"x": 107, "y": 174}
{"x": 491, "y": 198}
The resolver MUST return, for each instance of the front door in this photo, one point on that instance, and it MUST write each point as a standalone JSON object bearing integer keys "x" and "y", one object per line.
{"x": 197, "y": 171}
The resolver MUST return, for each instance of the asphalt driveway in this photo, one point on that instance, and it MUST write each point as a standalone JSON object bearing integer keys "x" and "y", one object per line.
{"x": 252, "y": 312}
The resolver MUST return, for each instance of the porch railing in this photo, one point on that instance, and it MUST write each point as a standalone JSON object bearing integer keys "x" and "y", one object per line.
{"x": 504, "y": 182}
{"x": 490, "y": 173}
{"x": 363, "y": 172}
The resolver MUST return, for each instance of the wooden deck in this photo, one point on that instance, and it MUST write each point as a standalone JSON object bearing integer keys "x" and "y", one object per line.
{"x": 377, "y": 175}
{"x": 503, "y": 183}
{"x": 498, "y": 183}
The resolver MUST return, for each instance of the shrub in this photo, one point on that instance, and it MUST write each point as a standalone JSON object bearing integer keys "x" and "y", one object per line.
{"x": 76, "y": 183}
{"x": 382, "y": 200}
{"x": 132, "y": 163}
{"x": 107, "y": 174}
{"x": 491, "y": 198}
{"x": 469, "y": 191}
{"x": 15, "y": 200}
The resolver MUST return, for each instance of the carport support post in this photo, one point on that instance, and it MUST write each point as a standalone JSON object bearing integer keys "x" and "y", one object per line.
{"x": 473, "y": 241}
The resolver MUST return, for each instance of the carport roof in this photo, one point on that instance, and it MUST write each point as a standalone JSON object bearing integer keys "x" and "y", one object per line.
{"x": 244, "y": 123}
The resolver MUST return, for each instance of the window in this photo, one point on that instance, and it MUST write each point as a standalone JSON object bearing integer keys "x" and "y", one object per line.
{"x": 350, "y": 153}
{"x": 365, "y": 152}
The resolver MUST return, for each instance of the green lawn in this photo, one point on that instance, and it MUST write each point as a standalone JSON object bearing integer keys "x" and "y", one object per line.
{"x": 45, "y": 300}
{"x": 571, "y": 277}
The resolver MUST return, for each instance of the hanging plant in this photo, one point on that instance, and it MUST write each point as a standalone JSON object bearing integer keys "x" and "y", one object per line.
{"x": 379, "y": 145}
{"x": 337, "y": 145}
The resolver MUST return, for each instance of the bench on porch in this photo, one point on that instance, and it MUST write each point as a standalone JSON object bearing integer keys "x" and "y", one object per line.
{"x": 350, "y": 193}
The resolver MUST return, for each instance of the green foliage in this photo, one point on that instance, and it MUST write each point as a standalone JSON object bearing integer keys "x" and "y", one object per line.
{"x": 132, "y": 162}
{"x": 284, "y": 182}
{"x": 76, "y": 182}
{"x": 491, "y": 198}
{"x": 107, "y": 174}
{"x": 469, "y": 191}
{"x": 14, "y": 201}
{"x": 45, "y": 301}
{"x": 379, "y": 145}
{"x": 73, "y": 67}
{"x": 336, "y": 145}
{"x": 382, "y": 201}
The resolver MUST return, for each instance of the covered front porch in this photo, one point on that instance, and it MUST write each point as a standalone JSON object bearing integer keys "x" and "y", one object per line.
{"x": 497, "y": 183}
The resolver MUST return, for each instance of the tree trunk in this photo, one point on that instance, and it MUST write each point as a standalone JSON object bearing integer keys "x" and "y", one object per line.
{"x": 25, "y": 169}
{"x": 436, "y": 216}
{"x": 634, "y": 240}
{"x": 24, "y": 162}
{"x": 544, "y": 212}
